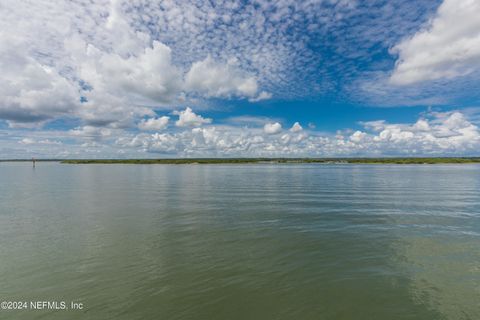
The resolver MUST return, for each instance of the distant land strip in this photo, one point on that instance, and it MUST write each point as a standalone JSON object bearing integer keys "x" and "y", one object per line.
{"x": 406, "y": 160}
{"x": 279, "y": 160}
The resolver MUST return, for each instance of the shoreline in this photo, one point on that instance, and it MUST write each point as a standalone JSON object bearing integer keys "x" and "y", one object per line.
{"x": 420, "y": 160}
{"x": 470, "y": 160}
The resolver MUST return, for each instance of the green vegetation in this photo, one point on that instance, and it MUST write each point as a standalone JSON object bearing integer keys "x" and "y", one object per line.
{"x": 277, "y": 160}
{"x": 444, "y": 160}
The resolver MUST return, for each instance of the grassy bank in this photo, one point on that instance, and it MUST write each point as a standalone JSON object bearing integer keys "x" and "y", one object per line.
{"x": 277, "y": 160}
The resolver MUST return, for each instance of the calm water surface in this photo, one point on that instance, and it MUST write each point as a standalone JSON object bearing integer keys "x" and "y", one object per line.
{"x": 242, "y": 241}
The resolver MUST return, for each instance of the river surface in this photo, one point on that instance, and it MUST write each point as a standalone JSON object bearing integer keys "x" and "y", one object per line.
{"x": 241, "y": 241}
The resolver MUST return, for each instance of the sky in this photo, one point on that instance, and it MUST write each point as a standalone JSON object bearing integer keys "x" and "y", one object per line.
{"x": 198, "y": 78}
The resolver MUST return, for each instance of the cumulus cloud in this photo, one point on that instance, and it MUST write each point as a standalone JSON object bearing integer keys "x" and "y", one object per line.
{"x": 250, "y": 120}
{"x": 28, "y": 141}
{"x": 125, "y": 40}
{"x": 296, "y": 127}
{"x": 262, "y": 96}
{"x": 358, "y": 136}
{"x": 103, "y": 69}
{"x": 448, "y": 47}
{"x": 150, "y": 75}
{"x": 272, "y": 128}
{"x": 434, "y": 134}
{"x": 91, "y": 132}
{"x": 271, "y": 40}
{"x": 31, "y": 92}
{"x": 187, "y": 118}
{"x": 449, "y": 132}
{"x": 108, "y": 67}
{"x": 154, "y": 124}
{"x": 107, "y": 83}
{"x": 438, "y": 134}
{"x": 221, "y": 79}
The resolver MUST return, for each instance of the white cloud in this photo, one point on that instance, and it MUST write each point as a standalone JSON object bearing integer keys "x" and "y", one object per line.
{"x": 123, "y": 38}
{"x": 27, "y": 141}
{"x": 448, "y": 132}
{"x": 358, "y": 136}
{"x": 122, "y": 89}
{"x": 270, "y": 40}
{"x": 421, "y": 125}
{"x": 50, "y": 142}
{"x": 150, "y": 76}
{"x": 104, "y": 69}
{"x": 250, "y": 120}
{"x": 221, "y": 80}
{"x": 91, "y": 132}
{"x": 31, "y": 92}
{"x": 296, "y": 127}
{"x": 117, "y": 63}
{"x": 154, "y": 124}
{"x": 448, "y": 47}
{"x": 111, "y": 82}
{"x": 434, "y": 134}
{"x": 187, "y": 118}
{"x": 262, "y": 96}
{"x": 272, "y": 128}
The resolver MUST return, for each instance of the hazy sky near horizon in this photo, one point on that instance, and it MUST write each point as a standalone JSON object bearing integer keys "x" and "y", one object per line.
{"x": 195, "y": 78}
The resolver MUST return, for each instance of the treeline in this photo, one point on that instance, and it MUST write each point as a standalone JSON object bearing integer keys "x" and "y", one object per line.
{"x": 278, "y": 160}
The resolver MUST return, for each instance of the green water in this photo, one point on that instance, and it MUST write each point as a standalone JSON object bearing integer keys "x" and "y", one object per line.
{"x": 241, "y": 241}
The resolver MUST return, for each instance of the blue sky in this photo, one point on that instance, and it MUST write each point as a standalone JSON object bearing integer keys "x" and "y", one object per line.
{"x": 201, "y": 78}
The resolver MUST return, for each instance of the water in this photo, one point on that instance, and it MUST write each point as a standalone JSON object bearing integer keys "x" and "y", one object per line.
{"x": 241, "y": 241}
